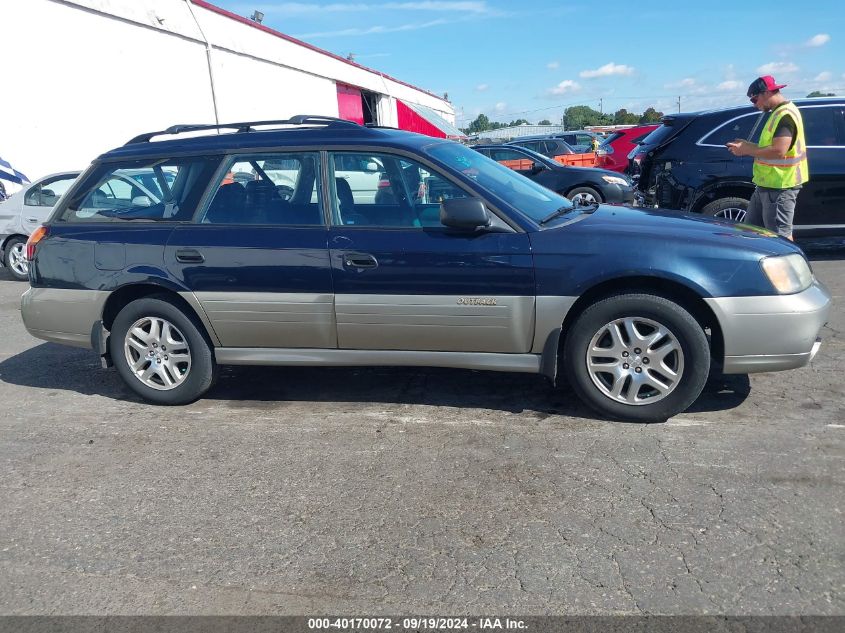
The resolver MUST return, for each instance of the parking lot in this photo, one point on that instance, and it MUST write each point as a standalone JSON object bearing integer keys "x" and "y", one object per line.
{"x": 388, "y": 491}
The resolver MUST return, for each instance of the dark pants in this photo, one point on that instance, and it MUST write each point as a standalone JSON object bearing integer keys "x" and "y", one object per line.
{"x": 773, "y": 209}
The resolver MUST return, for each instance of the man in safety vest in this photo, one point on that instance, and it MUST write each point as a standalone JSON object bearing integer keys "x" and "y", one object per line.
{"x": 780, "y": 158}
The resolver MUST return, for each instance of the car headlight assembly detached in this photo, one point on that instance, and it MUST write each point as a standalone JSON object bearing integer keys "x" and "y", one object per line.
{"x": 788, "y": 273}
{"x": 616, "y": 180}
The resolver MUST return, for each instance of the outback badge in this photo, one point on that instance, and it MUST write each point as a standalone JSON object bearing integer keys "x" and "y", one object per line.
{"x": 477, "y": 301}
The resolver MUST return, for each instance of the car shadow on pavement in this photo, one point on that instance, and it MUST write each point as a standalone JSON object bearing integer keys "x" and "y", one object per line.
{"x": 270, "y": 387}
{"x": 823, "y": 249}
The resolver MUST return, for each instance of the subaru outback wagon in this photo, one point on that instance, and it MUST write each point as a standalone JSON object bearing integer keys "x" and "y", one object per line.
{"x": 464, "y": 264}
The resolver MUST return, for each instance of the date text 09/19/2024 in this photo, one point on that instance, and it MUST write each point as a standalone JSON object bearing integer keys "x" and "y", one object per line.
{"x": 416, "y": 623}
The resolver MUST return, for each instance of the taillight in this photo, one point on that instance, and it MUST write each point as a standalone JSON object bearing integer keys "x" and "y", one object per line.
{"x": 37, "y": 235}
{"x": 383, "y": 184}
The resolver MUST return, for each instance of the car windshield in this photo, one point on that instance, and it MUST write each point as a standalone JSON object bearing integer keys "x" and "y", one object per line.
{"x": 526, "y": 196}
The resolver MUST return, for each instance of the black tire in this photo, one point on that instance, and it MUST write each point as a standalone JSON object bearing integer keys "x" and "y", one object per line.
{"x": 202, "y": 371}
{"x": 587, "y": 191}
{"x": 11, "y": 263}
{"x": 727, "y": 208}
{"x": 687, "y": 332}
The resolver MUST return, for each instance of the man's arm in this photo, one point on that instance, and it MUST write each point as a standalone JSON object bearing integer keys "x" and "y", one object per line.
{"x": 784, "y": 137}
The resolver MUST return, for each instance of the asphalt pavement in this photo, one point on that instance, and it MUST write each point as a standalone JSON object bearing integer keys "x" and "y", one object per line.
{"x": 406, "y": 491}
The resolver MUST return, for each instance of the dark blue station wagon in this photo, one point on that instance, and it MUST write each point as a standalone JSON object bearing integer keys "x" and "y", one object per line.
{"x": 315, "y": 241}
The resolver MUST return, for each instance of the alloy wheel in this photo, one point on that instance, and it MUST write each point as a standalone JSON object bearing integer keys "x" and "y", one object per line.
{"x": 635, "y": 361}
{"x": 157, "y": 353}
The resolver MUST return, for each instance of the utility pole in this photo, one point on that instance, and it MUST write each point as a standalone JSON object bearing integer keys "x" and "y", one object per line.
{"x": 679, "y": 104}
{"x": 601, "y": 105}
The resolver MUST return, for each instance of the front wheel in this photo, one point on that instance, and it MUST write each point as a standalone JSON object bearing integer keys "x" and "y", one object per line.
{"x": 161, "y": 353}
{"x": 727, "y": 208}
{"x": 584, "y": 195}
{"x": 637, "y": 357}
{"x": 15, "y": 256}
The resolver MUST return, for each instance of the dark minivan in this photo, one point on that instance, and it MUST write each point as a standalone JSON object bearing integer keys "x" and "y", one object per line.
{"x": 684, "y": 165}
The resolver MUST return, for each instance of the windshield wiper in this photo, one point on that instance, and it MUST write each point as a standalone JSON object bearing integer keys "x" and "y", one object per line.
{"x": 555, "y": 214}
{"x": 589, "y": 208}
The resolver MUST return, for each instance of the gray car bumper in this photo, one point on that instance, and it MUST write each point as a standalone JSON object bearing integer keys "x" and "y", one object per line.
{"x": 771, "y": 333}
{"x": 62, "y": 315}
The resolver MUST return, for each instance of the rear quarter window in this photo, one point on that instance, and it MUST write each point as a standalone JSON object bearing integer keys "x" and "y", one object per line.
{"x": 148, "y": 190}
{"x": 742, "y": 127}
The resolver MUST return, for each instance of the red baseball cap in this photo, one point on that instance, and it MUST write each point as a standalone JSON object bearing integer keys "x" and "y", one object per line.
{"x": 765, "y": 83}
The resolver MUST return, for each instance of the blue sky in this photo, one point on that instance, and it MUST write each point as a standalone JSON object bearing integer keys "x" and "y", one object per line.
{"x": 514, "y": 60}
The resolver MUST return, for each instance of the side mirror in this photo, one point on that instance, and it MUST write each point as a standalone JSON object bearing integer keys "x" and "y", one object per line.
{"x": 465, "y": 214}
{"x": 141, "y": 201}
{"x": 371, "y": 167}
{"x": 536, "y": 168}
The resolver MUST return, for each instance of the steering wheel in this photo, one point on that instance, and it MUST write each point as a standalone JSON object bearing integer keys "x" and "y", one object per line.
{"x": 284, "y": 192}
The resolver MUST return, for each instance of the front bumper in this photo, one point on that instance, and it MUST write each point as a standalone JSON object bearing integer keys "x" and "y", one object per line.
{"x": 618, "y": 194}
{"x": 771, "y": 333}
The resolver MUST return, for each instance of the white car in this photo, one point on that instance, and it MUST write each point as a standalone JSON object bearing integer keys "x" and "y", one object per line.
{"x": 23, "y": 212}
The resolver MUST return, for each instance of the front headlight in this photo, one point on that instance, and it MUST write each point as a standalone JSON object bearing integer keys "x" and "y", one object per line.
{"x": 788, "y": 273}
{"x": 616, "y": 180}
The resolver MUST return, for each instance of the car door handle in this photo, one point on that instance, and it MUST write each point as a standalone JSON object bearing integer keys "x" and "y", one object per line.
{"x": 189, "y": 256}
{"x": 359, "y": 260}
{"x": 32, "y": 219}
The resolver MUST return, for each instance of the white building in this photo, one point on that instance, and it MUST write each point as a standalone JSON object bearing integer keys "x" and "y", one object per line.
{"x": 99, "y": 72}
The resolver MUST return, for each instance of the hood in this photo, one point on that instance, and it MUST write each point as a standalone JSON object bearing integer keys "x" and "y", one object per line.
{"x": 712, "y": 257}
{"x": 593, "y": 172}
{"x": 670, "y": 225}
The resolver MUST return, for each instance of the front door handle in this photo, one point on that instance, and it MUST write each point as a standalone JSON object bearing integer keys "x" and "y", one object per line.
{"x": 359, "y": 260}
{"x": 189, "y": 256}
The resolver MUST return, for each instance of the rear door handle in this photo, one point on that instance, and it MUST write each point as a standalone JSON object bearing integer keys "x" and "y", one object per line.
{"x": 32, "y": 219}
{"x": 189, "y": 256}
{"x": 359, "y": 260}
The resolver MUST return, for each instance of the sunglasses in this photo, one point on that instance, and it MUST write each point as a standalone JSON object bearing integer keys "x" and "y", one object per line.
{"x": 755, "y": 98}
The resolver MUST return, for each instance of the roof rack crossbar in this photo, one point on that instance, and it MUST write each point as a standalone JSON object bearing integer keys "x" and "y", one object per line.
{"x": 246, "y": 126}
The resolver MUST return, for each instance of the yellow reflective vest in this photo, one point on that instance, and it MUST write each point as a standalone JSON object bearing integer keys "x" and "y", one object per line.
{"x": 787, "y": 172}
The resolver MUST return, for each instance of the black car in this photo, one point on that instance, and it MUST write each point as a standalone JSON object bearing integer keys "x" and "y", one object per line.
{"x": 684, "y": 165}
{"x": 546, "y": 146}
{"x": 580, "y": 184}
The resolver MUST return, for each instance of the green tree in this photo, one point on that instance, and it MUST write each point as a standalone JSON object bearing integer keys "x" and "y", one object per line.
{"x": 817, "y": 93}
{"x": 517, "y": 122}
{"x": 623, "y": 117}
{"x": 651, "y": 116}
{"x": 577, "y": 117}
{"x": 481, "y": 124}
{"x": 545, "y": 122}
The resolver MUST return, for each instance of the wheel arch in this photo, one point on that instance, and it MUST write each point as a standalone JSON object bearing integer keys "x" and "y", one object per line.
{"x": 670, "y": 289}
{"x": 722, "y": 189}
{"x": 186, "y": 301}
{"x": 588, "y": 185}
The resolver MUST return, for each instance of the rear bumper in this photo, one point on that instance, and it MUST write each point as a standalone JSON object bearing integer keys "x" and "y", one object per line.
{"x": 62, "y": 315}
{"x": 772, "y": 333}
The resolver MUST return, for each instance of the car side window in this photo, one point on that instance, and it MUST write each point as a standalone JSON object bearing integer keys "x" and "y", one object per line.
{"x": 115, "y": 192}
{"x": 740, "y": 127}
{"x": 47, "y": 193}
{"x": 512, "y": 159}
{"x": 386, "y": 191}
{"x": 820, "y": 126}
{"x": 274, "y": 189}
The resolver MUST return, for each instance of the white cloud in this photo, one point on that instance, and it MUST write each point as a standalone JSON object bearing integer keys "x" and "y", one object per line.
{"x": 729, "y": 86}
{"x": 302, "y": 8}
{"x": 375, "y": 29}
{"x": 824, "y": 76}
{"x": 777, "y": 67}
{"x": 817, "y": 40}
{"x": 500, "y": 107}
{"x": 607, "y": 70}
{"x": 482, "y": 87}
{"x": 553, "y": 65}
{"x": 564, "y": 87}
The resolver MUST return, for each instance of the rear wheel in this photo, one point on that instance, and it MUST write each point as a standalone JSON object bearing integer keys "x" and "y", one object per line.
{"x": 584, "y": 195}
{"x": 727, "y": 208}
{"x": 161, "y": 353}
{"x": 15, "y": 256}
{"x": 637, "y": 357}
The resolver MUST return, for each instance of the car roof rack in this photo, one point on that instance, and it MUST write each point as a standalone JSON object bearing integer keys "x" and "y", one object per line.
{"x": 246, "y": 126}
